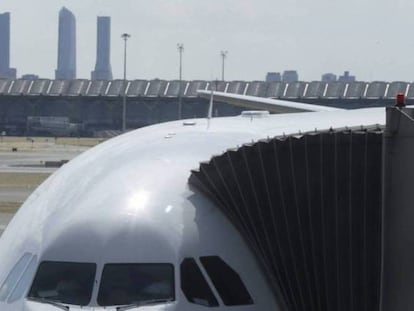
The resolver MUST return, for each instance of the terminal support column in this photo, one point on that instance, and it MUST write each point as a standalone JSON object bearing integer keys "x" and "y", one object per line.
{"x": 397, "y": 287}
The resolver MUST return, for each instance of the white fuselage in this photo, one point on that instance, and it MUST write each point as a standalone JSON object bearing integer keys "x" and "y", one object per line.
{"x": 128, "y": 201}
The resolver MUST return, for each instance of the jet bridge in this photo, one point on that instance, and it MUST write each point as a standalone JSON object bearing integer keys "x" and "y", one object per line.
{"x": 309, "y": 206}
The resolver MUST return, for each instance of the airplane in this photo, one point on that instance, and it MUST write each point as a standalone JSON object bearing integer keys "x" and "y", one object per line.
{"x": 127, "y": 226}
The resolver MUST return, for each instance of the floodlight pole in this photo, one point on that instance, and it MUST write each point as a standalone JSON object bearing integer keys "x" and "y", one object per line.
{"x": 124, "y": 36}
{"x": 180, "y": 48}
{"x": 223, "y": 57}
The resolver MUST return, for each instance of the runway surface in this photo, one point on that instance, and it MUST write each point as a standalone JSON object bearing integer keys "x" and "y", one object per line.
{"x": 15, "y": 195}
{"x": 29, "y": 161}
{"x": 33, "y": 162}
{"x": 4, "y": 220}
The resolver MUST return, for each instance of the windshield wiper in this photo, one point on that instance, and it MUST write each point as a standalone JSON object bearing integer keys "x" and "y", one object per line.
{"x": 51, "y": 302}
{"x": 142, "y": 303}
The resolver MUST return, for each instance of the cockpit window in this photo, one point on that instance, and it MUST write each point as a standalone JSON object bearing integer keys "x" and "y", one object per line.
{"x": 23, "y": 284}
{"x": 228, "y": 283}
{"x": 124, "y": 284}
{"x": 65, "y": 282}
{"x": 195, "y": 286}
{"x": 14, "y": 276}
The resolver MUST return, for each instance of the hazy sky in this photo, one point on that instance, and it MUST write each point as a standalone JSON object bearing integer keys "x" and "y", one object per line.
{"x": 371, "y": 38}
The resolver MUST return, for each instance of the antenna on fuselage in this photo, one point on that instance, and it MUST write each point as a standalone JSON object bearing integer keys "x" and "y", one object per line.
{"x": 210, "y": 106}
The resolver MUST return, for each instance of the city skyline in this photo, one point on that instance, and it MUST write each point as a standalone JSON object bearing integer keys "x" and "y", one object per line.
{"x": 267, "y": 35}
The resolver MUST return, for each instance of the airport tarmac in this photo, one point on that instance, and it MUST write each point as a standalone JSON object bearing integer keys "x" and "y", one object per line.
{"x": 34, "y": 161}
{"x": 4, "y": 220}
{"x": 23, "y": 166}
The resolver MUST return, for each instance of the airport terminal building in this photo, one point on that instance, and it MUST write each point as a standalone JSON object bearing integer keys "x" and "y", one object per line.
{"x": 92, "y": 106}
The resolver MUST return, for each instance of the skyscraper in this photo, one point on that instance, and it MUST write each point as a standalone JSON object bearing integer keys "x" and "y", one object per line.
{"x": 66, "y": 66}
{"x": 5, "y": 70}
{"x": 103, "y": 70}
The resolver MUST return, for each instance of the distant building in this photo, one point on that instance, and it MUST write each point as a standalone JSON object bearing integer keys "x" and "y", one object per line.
{"x": 30, "y": 77}
{"x": 346, "y": 77}
{"x": 103, "y": 70}
{"x": 329, "y": 77}
{"x": 66, "y": 66}
{"x": 290, "y": 76}
{"x": 273, "y": 77}
{"x": 5, "y": 71}
{"x": 53, "y": 126}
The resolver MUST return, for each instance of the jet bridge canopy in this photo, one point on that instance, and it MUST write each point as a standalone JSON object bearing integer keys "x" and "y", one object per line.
{"x": 310, "y": 208}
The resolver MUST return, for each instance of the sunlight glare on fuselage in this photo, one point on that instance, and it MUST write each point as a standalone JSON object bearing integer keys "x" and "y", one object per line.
{"x": 137, "y": 203}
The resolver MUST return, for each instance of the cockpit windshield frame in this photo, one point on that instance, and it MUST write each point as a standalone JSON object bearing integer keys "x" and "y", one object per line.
{"x": 64, "y": 282}
{"x": 131, "y": 283}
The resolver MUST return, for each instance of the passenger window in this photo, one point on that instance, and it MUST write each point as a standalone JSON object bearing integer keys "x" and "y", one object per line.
{"x": 228, "y": 283}
{"x": 66, "y": 282}
{"x": 124, "y": 284}
{"x": 195, "y": 286}
{"x": 14, "y": 276}
{"x": 22, "y": 284}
